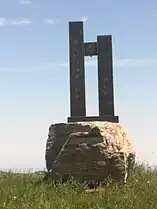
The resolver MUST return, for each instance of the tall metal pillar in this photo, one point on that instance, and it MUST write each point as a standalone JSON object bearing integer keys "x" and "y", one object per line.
{"x": 77, "y": 69}
{"x": 105, "y": 76}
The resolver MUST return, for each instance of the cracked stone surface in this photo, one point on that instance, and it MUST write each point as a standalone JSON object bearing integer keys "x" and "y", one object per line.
{"x": 89, "y": 151}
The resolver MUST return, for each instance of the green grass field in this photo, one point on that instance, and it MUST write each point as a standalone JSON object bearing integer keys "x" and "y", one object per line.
{"x": 23, "y": 191}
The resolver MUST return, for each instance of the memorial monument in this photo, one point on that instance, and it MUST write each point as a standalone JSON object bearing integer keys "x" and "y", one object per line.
{"x": 78, "y": 49}
{"x": 89, "y": 148}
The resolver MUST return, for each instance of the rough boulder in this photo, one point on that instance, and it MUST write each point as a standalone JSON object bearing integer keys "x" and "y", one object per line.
{"x": 89, "y": 151}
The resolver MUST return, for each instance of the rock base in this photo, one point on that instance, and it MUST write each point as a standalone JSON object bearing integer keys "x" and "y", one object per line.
{"x": 89, "y": 151}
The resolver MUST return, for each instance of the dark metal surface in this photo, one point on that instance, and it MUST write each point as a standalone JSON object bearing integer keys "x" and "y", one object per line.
{"x": 77, "y": 72}
{"x": 109, "y": 118}
{"x": 90, "y": 49}
{"x": 77, "y": 51}
{"x": 105, "y": 75}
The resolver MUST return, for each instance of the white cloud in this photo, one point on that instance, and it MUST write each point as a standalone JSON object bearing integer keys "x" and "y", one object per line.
{"x": 35, "y": 67}
{"x": 84, "y": 18}
{"x": 88, "y": 62}
{"x": 129, "y": 63}
{"x": 25, "y": 21}
{"x": 21, "y": 22}
{"x": 3, "y": 21}
{"x": 135, "y": 63}
{"x": 25, "y": 2}
{"x": 51, "y": 21}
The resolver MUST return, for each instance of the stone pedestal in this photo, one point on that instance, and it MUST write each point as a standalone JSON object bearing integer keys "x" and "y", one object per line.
{"x": 89, "y": 151}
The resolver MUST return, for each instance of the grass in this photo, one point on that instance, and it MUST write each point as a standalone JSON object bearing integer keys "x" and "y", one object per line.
{"x": 28, "y": 191}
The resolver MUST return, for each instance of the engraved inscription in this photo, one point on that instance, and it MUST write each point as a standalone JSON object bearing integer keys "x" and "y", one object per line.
{"x": 105, "y": 86}
{"x": 77, "y": 76}
{"x": 75, "y": 41}
{"x": 77, "y": 96}
{"x": 75, "y": 54}
{"x": 110, "y": 102}
{"x": 81, "y": 32}
{"x": 77, "y": 92}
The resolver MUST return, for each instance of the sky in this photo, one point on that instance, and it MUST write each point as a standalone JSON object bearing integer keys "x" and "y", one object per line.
{"x": 34, "y": 73}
